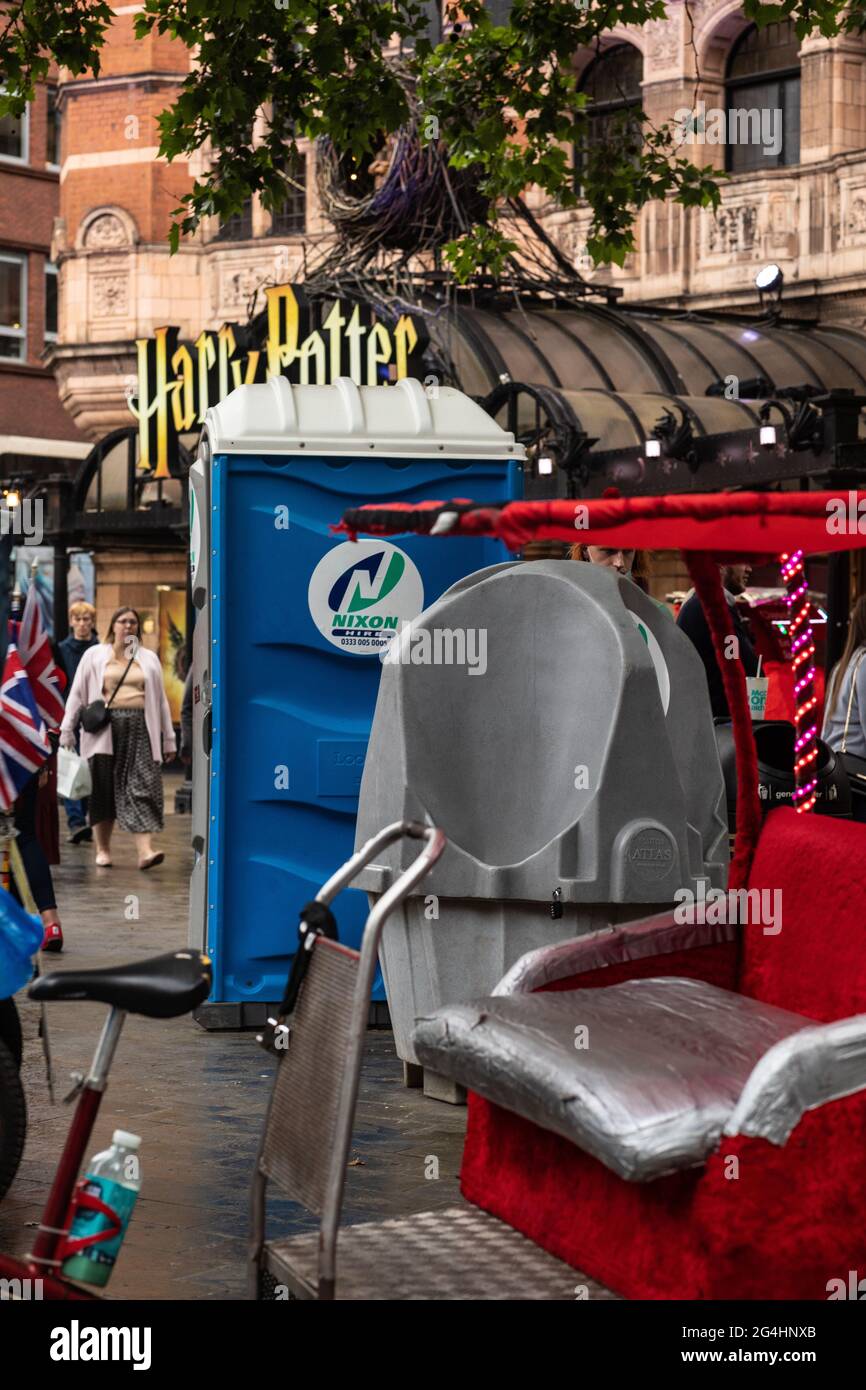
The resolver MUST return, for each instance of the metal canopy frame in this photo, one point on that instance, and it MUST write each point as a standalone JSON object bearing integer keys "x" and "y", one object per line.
{"x": 818, "y": 444}
{"x": 70, "y": 525}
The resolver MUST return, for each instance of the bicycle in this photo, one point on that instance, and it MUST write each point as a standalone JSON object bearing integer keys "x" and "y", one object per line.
{"x": 161, "y": 987}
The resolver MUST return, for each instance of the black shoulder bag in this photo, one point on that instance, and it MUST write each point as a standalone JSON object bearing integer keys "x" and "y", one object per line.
{"x": 95, "y": 715}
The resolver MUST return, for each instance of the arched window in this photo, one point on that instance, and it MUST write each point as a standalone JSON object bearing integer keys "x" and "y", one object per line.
{"x": 763, "y": 99}
{"x": 613, "y": 83}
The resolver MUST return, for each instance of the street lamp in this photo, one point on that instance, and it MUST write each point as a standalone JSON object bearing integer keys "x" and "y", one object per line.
{"x": 672, "y": 438}
{"x": 769, "y": 282}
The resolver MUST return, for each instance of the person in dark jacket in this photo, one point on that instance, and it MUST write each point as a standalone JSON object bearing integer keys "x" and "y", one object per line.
{"x": 82, "y": 618}
{"x": 694, "y": 624}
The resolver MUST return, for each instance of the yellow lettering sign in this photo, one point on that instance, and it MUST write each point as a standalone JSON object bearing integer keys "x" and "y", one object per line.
{"x": 313, "y": 347}
{"x": 155, "y": 408}
{"x": 204, "y": 346}
{"x": 183, "y": 391}
{"x": 332, "y": 325}
{"x": 406, "y": 340}
{"x": 355, "y": 330}
{"x": 378, "y": 351}
{"x": 282, "y": 343}
{"x": 205, "y": 371}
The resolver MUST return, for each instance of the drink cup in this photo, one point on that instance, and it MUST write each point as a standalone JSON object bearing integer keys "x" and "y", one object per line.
{"x": 757, "y": 687}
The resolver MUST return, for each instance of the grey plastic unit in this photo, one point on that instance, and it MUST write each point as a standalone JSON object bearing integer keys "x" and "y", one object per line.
{"x": 576, "y": 776}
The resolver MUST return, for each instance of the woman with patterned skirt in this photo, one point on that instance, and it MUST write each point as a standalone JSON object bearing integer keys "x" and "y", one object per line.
{"x": 125, "y": 755}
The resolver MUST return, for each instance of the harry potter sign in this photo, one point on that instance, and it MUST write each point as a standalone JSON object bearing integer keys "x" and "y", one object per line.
{"x": 178, "y": 382}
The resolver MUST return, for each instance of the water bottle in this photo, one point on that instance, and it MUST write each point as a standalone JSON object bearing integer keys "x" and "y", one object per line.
{"x": 114, "y": 1177}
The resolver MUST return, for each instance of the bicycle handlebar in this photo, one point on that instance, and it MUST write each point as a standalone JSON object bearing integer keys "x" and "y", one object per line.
{"x": 422, "y": 865}
{"x": 310, "y": 928}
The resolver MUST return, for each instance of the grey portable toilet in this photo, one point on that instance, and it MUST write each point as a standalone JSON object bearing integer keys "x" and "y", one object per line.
{"x": 555, "y": 723}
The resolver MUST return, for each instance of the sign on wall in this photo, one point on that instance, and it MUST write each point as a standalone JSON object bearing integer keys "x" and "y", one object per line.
{"x": 363, "y": 593}
{"x": 172, "y": 646}
{"x": 178, "y": 382}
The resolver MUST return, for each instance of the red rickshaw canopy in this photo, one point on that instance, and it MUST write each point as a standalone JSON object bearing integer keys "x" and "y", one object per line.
{"x": 728, "y": 525}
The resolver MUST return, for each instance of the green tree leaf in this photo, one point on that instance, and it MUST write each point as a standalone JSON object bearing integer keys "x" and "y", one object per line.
{"x": 505, "y": 97}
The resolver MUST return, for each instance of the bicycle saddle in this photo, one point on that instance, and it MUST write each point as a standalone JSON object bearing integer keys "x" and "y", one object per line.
{"x": 161, "y": 987}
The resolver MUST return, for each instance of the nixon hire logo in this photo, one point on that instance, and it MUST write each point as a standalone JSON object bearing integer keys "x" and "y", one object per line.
{"x": 358, "y": 584}
{"x": 361, "y": 593}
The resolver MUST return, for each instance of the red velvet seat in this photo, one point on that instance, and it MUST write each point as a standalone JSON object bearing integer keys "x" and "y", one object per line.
{"x": 757, "y": 1219}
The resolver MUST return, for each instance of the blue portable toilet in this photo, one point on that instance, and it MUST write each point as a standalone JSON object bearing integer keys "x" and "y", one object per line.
{"x": 290, "y": 628}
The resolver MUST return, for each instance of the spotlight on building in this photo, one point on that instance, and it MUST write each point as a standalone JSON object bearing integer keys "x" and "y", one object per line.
{"x": 12, "y": 498}
{"x": 769, "y": 282}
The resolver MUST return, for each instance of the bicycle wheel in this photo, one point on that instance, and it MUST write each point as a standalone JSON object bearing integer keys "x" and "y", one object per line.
{"x": 13, "y": 1119}
{"x": 10, "y": 1029}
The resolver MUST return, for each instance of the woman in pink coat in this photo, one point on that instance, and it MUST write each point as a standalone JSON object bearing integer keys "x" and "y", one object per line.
{"x": 126, "y": 754}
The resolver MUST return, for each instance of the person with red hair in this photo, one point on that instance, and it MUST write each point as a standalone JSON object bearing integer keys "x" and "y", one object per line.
{"x": 631, "y": 564}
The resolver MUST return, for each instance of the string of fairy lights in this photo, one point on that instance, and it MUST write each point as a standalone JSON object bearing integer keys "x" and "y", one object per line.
{"x": 803, "y": 666}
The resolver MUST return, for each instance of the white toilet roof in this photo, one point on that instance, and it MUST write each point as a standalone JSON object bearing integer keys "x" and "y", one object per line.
{"x": 399, "y": 421}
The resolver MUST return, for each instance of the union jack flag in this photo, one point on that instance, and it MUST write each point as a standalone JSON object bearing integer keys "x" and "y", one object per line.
{"x": 34, "y": 648}
{"x": 24, "y": 742}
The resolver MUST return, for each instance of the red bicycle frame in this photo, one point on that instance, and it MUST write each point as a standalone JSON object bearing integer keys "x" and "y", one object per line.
{"x": 44, "y": 1262}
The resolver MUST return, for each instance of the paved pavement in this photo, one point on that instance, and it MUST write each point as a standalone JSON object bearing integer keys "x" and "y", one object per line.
{"x": 197, "y": 1099}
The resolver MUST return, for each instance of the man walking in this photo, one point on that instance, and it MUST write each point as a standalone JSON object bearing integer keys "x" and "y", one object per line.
{"x": 82, "y": 617}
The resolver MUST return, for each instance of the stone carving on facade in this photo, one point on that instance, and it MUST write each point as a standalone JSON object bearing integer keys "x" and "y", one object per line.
{"x": 109, "y": 295}
{"x": 732, "y": 229}
{"x": 570, "y": 238}
{"x": 106, "y": 232}
{"x": 783, "y": 221}
{"x": 662, "y": 43}
{"x": 855, "y": 215}
{"x": 234, "y": 286}
{"x": 704, "y": 10}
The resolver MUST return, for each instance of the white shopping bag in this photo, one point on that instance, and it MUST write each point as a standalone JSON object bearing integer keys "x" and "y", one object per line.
{"x": 73, "y": 775}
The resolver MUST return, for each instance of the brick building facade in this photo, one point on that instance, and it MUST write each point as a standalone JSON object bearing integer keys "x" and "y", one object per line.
{"x": 803, "y": 210}
{"x": 803, "y": 207}
{"x": 36, "y": 433}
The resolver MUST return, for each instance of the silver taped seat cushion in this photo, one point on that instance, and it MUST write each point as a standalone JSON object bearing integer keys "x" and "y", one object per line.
{"x": 642, "y": 1075}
